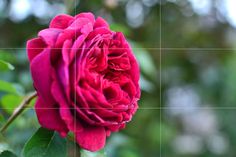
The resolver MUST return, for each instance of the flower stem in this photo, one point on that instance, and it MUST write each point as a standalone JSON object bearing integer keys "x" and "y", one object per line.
{"x": 24, "y": 104}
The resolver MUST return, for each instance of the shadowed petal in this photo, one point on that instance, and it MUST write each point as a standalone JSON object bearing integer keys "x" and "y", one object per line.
{"x": 34, "y": 47}
{"x": 49, "y": 117}
{"x": 41, "y": 74}
{"x": 92, "y": 138}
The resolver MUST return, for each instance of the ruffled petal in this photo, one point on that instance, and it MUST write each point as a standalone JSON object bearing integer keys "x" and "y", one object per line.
{"x": 72, "y": 123}
{"x": 92, "y": 138}
{"x": 50, "y": 35}
{"x": 87, "y": 15}
{"x": 34, "y": 47}
{"x": 49, "y": 117}
{"x": 61, "y": 21}
{"x": 100, "y": 22}
{"x": 41, "y": 74}
{"x": 99, "y": 31}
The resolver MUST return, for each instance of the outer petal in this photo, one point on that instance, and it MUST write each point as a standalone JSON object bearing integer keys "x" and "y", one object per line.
{"x": 49, "y": 117}
{"x": 61, "y": 21}
{"x": 100, "y": 22}
{"x": 87, "y": 15}
{"x": 92, "y": 138}
{"x": 41, "y": 74}
{"x": 34, "y": 47}
{"x": 49, "y": 35}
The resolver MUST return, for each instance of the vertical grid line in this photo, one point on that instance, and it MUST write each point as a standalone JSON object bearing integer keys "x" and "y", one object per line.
{"x": 75, "y": 73}
{"x": 160, "y": 79}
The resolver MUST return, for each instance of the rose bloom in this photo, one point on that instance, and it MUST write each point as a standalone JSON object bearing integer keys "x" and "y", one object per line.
{"x": 86, "y": 78}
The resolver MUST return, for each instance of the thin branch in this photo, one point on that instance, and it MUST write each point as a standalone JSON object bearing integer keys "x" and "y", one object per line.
{"x": 24, "y": 104}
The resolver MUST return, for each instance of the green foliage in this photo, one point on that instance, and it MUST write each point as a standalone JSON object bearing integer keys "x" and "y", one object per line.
{"x": 45, "y": 143}
{"x": 4, "y": 66}
{"x": 145, "y": 60}
{"x": 120, "y": 28}
{"x": 8, "y": 87}
{"x": 10, "y": 102}
{"x": 7, "y": 154}
{"x": 7, "y": 57}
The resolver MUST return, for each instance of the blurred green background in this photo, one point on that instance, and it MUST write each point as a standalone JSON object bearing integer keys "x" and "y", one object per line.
{"x": 186, "y": 50}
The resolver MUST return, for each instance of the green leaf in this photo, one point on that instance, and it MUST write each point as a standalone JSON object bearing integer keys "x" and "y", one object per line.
{"x": 7, "y": 87}
{"x": 10, "y": 102}
{"x": 85, "y": 153}
{"x": 145, "y": 60}
{"x": 7, "y": 154}
{"x": 45, "y": 143}
{"x": 7, "y": 56}
{"x": 4, "y": 66}
{"x": 120, "y": 28}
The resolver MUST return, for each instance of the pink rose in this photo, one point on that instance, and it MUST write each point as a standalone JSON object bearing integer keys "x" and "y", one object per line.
{"x": 86, "y": 78}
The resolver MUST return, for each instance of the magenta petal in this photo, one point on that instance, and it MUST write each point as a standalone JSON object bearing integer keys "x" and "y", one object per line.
{"x": 100, "y": 22}
{"x": 61, "y": 21}
{"x": 41, "y": 74}
{"x": 65, "y": 109}
{"x": 92, "y": 138}
{"x": 98, "y": 31}
{"x": 49, "y": 117}
{"x": 78, "y": 24}
{"x": 87, "y": 15}
{"x": 34, "y": 47}
{"x": 49, "y": 35}
{"x": 66, "y": 51}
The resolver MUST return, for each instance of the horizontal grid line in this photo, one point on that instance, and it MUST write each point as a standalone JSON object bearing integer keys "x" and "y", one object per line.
{"x": 73, "y": 48}
{"x": 140, "y": 108}
{"x": 141, "y": 48}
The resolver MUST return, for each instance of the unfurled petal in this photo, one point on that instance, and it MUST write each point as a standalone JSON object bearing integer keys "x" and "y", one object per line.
{"x": 34, "y": 47}
{"x": 87, "y": 15}
{"x": 49, "y": 36}
{"x": 49, "y": 117}
{"x": 100, "y": 22}
{"x": 61, "y": 21}
{"x": 41, "y": 73}
{"x": 65, "y": 109}
{"x": 92, "y": 138}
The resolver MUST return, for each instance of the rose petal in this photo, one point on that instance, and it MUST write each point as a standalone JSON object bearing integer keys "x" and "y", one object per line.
{"x": 92, "y": 138}
{"x": 115, "y": 128}
{"x": 79, "y": 23}
{"x": 50, "y": 35}
{"x": 119, "y": 63}
{"x": 100, "y": 22}
{"x": 49, "y": 117}
{"x": 61, "y": 21}
{"x": 41, "y": 74}
{"x": 66, "y": 52}
{"x": 72, "y": 123}
{"x": 87, "y": 15}
{"x": 34, "y": 47}
{"x": 99, "y": 31}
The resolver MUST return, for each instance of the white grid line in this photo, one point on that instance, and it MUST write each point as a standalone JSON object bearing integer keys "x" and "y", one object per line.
{"x": 75, "y": 153}
{"x": 140, "y": 108}
{"x": 160, "y": 49}
{"x": 148, "y": 48}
